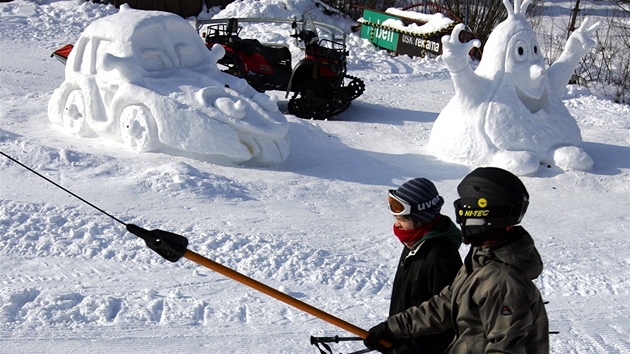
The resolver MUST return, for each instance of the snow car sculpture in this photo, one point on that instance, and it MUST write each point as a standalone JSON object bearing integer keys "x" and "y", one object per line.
{"x": 509, "y": 112}
{"x": 146, "y": 79}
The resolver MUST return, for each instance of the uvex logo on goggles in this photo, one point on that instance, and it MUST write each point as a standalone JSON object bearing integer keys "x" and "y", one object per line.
{"x": 399, "y": 206}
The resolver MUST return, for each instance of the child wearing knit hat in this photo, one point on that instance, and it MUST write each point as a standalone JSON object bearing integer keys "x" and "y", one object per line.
{"x": 430, "y": 258}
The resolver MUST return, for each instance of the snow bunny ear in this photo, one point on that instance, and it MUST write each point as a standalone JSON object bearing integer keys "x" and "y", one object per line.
{"x": 524, "y": 6}
{"x": 518, "y": 7}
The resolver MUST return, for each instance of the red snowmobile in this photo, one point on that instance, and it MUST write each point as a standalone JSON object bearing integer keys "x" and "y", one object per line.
{"x": 317, "y": 80}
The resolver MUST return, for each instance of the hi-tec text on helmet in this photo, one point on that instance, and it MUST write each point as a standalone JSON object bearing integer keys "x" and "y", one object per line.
{"x": 474, "y": 213}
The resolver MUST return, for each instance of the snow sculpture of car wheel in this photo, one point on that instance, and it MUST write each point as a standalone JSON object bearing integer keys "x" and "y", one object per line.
{"x": 138, "y": 128}
{"x": 73, "y": 115}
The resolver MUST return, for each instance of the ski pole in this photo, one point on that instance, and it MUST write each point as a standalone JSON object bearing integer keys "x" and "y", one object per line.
{"x": 173, "y": 247}
{"x": 316, "y": 341}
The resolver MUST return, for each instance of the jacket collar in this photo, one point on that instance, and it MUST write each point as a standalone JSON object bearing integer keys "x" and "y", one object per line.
{"x": 516, "y": 248}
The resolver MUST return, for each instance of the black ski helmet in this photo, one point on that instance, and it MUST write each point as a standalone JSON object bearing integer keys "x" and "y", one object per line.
{"x": 494, "y": 196}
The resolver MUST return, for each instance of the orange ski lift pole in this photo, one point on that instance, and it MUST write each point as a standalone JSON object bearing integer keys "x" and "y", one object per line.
{"x": 173, "y": 247}
{"x": 289, "y": 300}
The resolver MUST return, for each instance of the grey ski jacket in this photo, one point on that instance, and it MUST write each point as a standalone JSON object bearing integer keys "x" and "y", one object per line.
{"x": 493, "y": 305}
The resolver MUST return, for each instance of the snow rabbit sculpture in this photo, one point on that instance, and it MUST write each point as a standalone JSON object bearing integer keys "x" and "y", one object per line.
{"x": 509, "y": 112}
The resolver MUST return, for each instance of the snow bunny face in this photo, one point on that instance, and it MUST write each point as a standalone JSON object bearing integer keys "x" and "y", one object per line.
{"x": 525, "y": 68}
{"x": 513, "y": 58}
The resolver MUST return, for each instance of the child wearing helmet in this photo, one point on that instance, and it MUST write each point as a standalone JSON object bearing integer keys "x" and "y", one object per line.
{"x": 492, "y": 305}
{"x": 429, "y": 260}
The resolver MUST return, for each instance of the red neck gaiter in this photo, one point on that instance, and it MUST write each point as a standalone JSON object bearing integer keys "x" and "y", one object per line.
{"x": 410, "y": 237}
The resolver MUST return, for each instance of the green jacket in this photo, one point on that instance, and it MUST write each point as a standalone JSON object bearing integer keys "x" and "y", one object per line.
{"x": 493, "y": 305}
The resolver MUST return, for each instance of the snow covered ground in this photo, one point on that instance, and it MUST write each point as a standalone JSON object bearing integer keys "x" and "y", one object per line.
{"x": 315, "y": 227}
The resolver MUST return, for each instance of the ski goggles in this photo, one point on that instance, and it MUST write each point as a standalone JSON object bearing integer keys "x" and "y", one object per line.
{"x": 397, "y": 205}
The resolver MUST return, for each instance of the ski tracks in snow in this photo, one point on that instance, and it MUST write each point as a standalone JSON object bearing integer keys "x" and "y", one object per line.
{"x": 593, "y": 324}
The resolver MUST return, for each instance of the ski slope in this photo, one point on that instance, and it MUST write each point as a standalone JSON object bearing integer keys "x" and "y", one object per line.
{"x": 315, "y": 227}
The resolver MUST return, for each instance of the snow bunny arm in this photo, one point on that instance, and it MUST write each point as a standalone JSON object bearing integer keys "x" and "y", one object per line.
{"x": 456, "y": 58}
{"x": 455, "y": 53}
{"x": 579, "y": 42}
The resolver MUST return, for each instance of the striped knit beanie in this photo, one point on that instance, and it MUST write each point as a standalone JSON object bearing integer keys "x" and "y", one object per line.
{"x": 422, "y": 193}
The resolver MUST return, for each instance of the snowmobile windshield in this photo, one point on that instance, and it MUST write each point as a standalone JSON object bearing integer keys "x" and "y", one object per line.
{"x": 308, "y": 26}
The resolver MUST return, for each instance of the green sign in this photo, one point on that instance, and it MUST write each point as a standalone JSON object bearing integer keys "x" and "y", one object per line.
{"x": 381, "y": 36}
